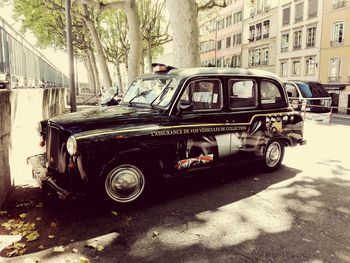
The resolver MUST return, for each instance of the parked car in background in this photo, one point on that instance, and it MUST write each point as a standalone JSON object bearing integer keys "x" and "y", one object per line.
{"x": 309, "y": 96}
{"x": 169, "y": 124}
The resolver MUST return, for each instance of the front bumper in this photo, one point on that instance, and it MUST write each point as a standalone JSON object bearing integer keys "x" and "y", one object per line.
{"x": 40, "y": 173}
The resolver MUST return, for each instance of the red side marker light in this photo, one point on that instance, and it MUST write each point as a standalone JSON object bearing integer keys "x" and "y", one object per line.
{"x": 119, "y": 137}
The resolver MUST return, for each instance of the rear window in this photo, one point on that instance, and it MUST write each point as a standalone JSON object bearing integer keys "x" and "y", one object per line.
{"x": 312, "y": 90}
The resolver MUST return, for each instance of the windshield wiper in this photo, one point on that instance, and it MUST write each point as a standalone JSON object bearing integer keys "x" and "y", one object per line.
{"x": 140, "y": 95}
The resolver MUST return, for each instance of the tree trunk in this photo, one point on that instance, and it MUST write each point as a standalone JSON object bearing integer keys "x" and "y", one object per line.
{"x": 101, "y": 59}
{"x": 95, "y": 71}
{"x": 134, "y": 57}
{"x": 89, "y": 71}
{"x": 119, "y": 77}
{"x": 149, "y": 58}
{"x": 142, "y": 64}
{"x": 184, "y": 24}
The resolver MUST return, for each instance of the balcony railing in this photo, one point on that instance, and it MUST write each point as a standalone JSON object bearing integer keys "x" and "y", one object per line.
{"x": 310, "y": 44}
{"x": 334, "y": 79}
{"x": 266, "y": 35}
{"x": 339, "y": 4}
{"x": 297, "y": 46}
{"x": 258, "y": 37}
{"x": 251, "y": 39}
{"x": 264, "y": 62}
{"x": 337, "y": 42}
{"x": 284, "y": 49}
{"x": 267, "y": 8}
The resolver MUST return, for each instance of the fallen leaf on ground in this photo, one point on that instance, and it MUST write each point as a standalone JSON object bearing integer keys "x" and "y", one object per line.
{"x": 83, "y": 260}
{"x": 256, "y": 179}
{"x": 155, "y": 234}
{"x": 100, "y": 248}
{"x": 53, "y": 224}
{"x": 114, "y": 213}
{"x": 16, "y": 249}
{"x": 92, "y": 245}
{"x": 31, "y": 260}
{"x": 23, "y": 215}
{"x": 41, "y": 247}
{"x": 50, "y": 236}
{"x": 40, "y": 205}
{"x": 2, "y": 213}
{"x": 38, "y": 218}
{"x": 58, "y": 249}
{"x": 32, "y": 236}
{"x": 74, "y": 250}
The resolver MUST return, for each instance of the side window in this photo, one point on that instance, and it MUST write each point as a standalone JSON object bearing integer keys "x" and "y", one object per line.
{"x": 291, "y": 91}
{"x": 203, "y": 95}
{"x": 242, "y": 93}
{"x": 270, "y": 93}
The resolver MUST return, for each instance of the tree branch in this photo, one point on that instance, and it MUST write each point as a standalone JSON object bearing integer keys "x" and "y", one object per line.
{"x": 211, "y": 4}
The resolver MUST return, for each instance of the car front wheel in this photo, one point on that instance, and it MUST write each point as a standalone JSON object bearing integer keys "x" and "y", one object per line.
{"x": 273, "y": 156}
{"x": 126, "y": 184}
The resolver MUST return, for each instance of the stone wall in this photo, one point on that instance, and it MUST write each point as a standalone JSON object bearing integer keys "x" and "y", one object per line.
{"x": 20, "y": 111}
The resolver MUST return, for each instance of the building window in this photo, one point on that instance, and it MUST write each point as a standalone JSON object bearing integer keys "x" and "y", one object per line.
{"x": 257, "y": 52}
{"x": 258, "y": 31}
{"x": 219, "y": 44}
{"x": 237, "y": 17}
{"x": 311, "y": 36}
{"x": 334, "y": 70}
{"x": 228, "y": 20}
{"x": 313, "y": 6}
{"x": 286, "y": 16}
{"x": 251, "y": 33}
{"x": 284, "y": 42}
{"x": 251, "y": 57}
{"x": 310, "y": 66}
{"x": 299, "y": 12}
{"x": 337, "y": 33}
{"x": 221, "y": 23}
{"x": 228, "y": 42}
{"x": 266, "y": 29}
{"x": 265, "y": 56}
{"x": 297, "y": 40}
{"x": 283, "y": 68}
{"x": 338, "y": 4}
{"x": 236, "y": 39}
{"x": 236, "y": 61}
{"x": 296, "y": 68}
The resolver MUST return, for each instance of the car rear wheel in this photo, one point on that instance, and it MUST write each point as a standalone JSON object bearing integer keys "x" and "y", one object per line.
{"x": 273, "y": 156}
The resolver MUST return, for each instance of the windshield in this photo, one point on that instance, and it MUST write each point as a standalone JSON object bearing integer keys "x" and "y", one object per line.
{"x": 312, "y": 90}
{"x": 154, "y": 91}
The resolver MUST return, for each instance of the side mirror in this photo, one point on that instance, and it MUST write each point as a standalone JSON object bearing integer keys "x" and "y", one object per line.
{"x": 184, "y": 106}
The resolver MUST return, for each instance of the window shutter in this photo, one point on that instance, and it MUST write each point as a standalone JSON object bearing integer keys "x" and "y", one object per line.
{"x": 286, "y": 16}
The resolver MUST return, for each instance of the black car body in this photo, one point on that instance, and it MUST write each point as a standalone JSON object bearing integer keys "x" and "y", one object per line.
{"x": 310, "y": 96}
{"x": 168, "y": 124}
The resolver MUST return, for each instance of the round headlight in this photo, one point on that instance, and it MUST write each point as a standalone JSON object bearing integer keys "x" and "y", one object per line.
{"x": 72, "y": 145}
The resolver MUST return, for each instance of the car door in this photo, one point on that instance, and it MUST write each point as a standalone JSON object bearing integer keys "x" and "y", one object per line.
{"x": 199, "y": 119}
{"x": 243, "y": 106}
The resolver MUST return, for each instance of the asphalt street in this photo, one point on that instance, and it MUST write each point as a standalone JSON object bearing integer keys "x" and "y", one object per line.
{"x": 301, "y": 213}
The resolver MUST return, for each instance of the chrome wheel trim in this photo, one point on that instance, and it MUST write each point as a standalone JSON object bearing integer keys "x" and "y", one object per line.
{"x": 125, "y": 183}
{"x": 273, "y": 154}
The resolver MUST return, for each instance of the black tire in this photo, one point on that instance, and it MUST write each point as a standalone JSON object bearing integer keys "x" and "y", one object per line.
{"x": 273, "y": 156}
{"x": 126, "y": 184}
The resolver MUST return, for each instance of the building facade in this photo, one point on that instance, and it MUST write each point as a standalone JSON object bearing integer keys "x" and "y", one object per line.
{"x": 335, "y": 52}
{"x": 260, "y": 29}
{"x": 221, "y": 36}
{"x": 299, "y": 40}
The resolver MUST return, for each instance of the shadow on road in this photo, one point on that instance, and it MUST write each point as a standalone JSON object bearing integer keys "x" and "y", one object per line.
{"x": 180, "y": 201}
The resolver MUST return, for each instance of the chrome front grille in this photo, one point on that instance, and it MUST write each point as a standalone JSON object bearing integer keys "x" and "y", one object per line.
{"x": 53, "y": 146}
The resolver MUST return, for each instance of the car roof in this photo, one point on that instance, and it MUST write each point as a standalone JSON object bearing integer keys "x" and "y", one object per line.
{"x": 190, "y": 72}
{"x": 300, "y": 81}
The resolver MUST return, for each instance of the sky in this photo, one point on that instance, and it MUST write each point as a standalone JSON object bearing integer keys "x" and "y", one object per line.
{"x": 57, "y": 58}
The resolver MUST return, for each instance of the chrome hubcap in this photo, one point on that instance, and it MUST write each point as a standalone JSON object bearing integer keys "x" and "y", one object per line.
{"x": 273, "y": 154}
{"x": 125, "y": 183}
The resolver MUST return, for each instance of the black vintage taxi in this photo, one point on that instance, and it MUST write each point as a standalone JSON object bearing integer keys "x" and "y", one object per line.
{"x": 168, "y": 124}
